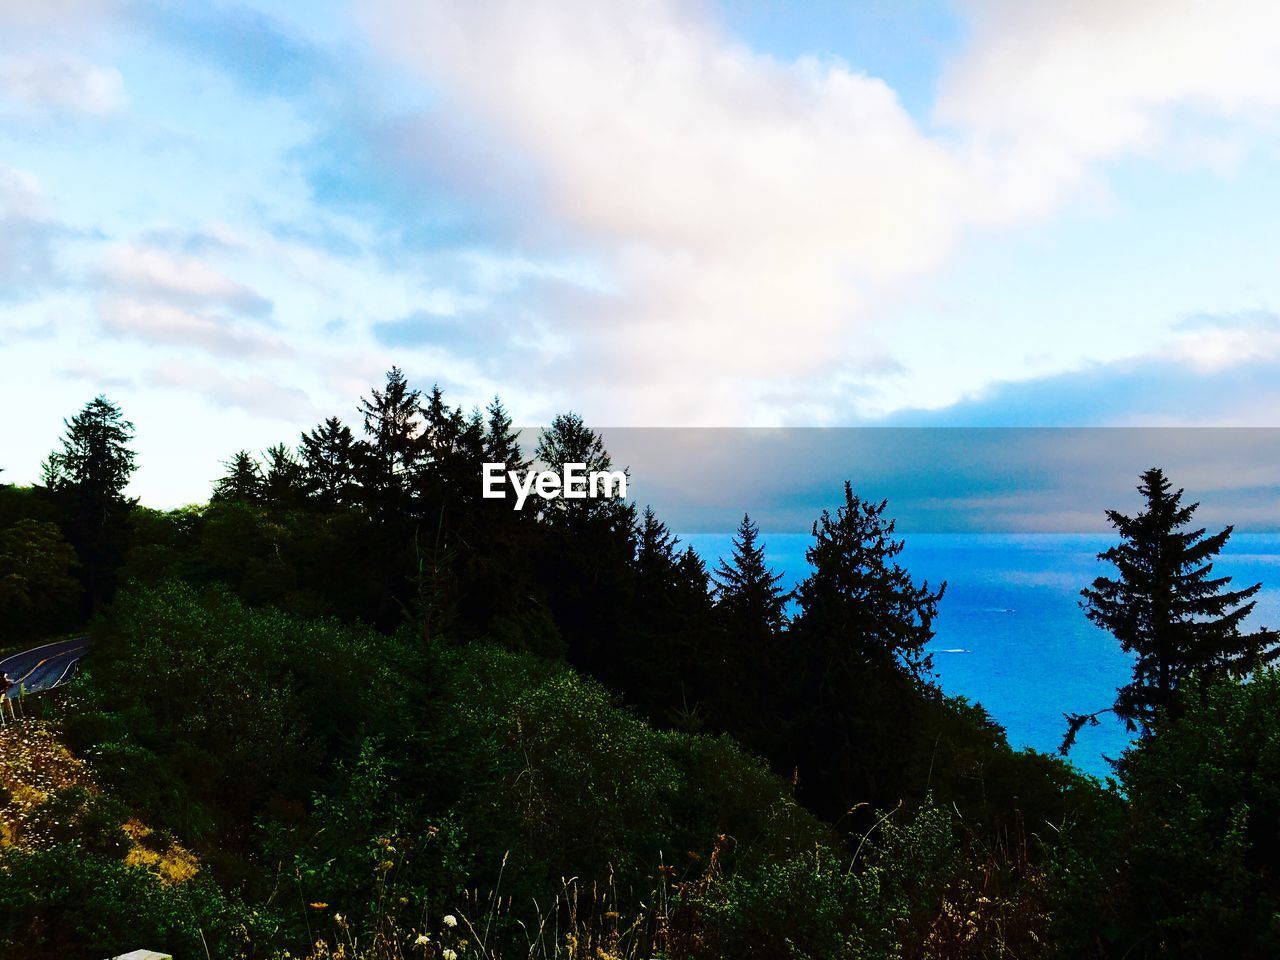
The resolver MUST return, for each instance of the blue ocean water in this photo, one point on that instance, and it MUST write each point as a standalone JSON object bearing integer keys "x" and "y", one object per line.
{"x": 1010, "y": 632}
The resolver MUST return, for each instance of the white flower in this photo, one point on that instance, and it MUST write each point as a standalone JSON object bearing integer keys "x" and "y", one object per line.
{"x": 422, "y": 940}
{"x": 448, "y": 954}
{"x": 449, "y": 920}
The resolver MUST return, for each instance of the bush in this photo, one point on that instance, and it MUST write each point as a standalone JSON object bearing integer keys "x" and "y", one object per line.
{"x": 1203, "y": 831}
{"x": 67, "y": 902}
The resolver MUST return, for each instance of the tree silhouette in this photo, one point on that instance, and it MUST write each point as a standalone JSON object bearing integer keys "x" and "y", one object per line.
{"x": 745, "y": 648}
{"x": 391, "y": 422}
{"x": 859, "y": 595}
{"x": 328, "y": 461}
{"x": 861, "y": 670}
{"x": 241, "y": 483}
{"x": 38, "y": 588}
{"x": 502, "y": 442}
{"x": 1165, "y": 606}
{"x": 284, "y": 482}
{"x": 89, "y": 475}
{"x": 747, "y": 591}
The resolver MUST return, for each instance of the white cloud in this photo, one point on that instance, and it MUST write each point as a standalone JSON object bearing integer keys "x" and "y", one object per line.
{"x": 61, "y": 82}
{"x": 259, "y": 395}
{"x": 183, "y": 301}
{"x": 743, "y": 205}
{"x": 1046, "y": 90}
{"x": 753, "y": 215}
{"x": 27, "y": 232}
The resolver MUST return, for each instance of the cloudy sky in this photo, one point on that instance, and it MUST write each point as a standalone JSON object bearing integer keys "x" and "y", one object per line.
{"x": 233, "y": 217}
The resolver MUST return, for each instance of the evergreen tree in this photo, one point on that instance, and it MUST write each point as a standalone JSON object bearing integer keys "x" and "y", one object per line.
{"x": 1167, "y": 609}
{"x": 38, "y": 589}
{"x": 241, "y": 483}
{"x": 743, "y": 650}
{"x": 284, "y": 481}
{"x": 655, "y": 559}
{"x": 89, "y": 475}
{"x": 391, "y": 421}
{"x": 587, "y": 554}
{"x": 859, "y": 596}
{"x": 569, "y": 440}
{"x": 328, "y": 461}
{"x": 693, "y": 582}
{"x": 856, "y": 679}
{"x": 747, "y": 590}
{"x": 452, "y": 449}
{"x": 502, "y": 441}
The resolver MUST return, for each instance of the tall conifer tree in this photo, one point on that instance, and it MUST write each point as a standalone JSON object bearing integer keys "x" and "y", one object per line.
{"x": 242, "y": 482}
{"x": 1166, "y": 608}
{"x": 328, "y": 461}
{"x": 89, "y": 475}
{"x": 747, "y": 590}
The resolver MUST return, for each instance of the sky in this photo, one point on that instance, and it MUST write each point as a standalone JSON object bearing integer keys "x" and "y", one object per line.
{"x": 232, "y": 218}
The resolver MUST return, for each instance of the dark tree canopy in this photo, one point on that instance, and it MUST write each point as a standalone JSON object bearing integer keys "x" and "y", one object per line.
{"x": 95, "y": 460}
{"x": 88, "y": 475}
{"x": 859, "y": 595}
{"x": 747, "y": 591}
{"x": 1167, "y": 608}
{"x": 284, "y": 481}
{"x": 502, "y": 441}
{"x": 38, "y": 589}
{"x": 328, "y": 461}
{"x": 392, "y": 421}
{"x": 242, "y": 482}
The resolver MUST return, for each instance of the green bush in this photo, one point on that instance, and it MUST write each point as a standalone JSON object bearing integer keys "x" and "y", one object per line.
{"x": 69, "y": 902}
{"x": 1203, "y": 832}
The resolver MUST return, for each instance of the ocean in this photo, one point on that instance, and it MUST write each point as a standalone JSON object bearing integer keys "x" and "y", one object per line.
{"x": 1010, "y": 632}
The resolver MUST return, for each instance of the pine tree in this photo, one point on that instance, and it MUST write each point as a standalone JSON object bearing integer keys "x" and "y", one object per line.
{"x": 744, "y": 648}
{"x": 502, "y": 441}
{"x": 747, "y": 590}
{"x": 586, "y": 554}
{"x": 284, "y": 481}
{"x": 569, "y": 440}
{"x": 1167, "y": 609}
{"x": 328, "y": 461}
{"x": 89, "y": 475}
{"x": 452, "y": 449}
{"x": 241, "y": 483}
{"x": 858, "y": 597}
{"x": 857, "y": 683}
{"x": 693, "y": 582}
{"x": 655, "y": 558}
{"x": 391, "y": 421}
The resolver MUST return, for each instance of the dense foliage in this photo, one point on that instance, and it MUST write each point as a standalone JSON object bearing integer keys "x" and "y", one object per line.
{"x": 390, "y": 718}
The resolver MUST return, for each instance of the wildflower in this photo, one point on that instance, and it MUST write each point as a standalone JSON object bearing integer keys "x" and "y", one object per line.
{"x": 447, "y": 954}
{"x": 422, "y": 940}
{"x": 449, "y": 920}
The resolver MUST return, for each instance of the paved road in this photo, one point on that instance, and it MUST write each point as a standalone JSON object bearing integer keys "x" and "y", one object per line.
{"x": 46, "y": 666}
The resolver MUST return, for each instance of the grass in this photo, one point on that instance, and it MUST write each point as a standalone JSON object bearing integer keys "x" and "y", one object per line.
{"x": 35, "y": 767}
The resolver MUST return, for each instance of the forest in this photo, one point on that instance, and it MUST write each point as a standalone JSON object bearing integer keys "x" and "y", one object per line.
{"x": 351, "y": 707}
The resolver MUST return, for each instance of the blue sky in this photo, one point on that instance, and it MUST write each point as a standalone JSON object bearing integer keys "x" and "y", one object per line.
{"x": 233, "y": 217}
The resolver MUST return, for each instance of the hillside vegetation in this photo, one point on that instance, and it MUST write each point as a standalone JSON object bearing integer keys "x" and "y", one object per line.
{"x": 350, "y": 709}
